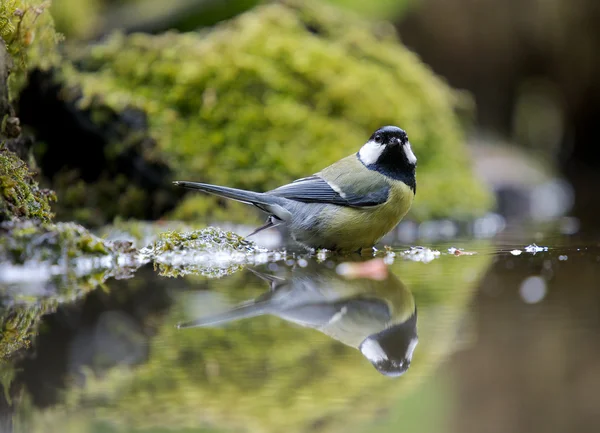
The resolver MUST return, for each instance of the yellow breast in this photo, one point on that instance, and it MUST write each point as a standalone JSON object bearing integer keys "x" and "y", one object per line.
{"x": 350, "y": 229}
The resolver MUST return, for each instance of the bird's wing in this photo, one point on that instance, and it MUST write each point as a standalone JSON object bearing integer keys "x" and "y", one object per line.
{"x": 315, "y": 189}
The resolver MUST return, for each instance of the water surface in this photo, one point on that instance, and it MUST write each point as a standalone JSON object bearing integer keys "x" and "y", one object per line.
{"x": 504, "y": 339}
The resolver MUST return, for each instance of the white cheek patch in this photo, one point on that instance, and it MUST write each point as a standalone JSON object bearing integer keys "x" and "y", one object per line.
{"x": 372, "y": 351}
{"x": 370, "y": 152}
{"x": 410, "y": 156}
{"x": 411, "y": 347}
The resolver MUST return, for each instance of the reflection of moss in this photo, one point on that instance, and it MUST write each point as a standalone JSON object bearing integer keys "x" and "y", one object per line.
{"x": 18, "y": 325}
{"x": 20, "y": 196}
{"x": 276, "y": 376}
{"x": 270, "y": 96}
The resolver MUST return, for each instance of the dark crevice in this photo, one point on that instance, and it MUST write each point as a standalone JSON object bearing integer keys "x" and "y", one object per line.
{"x": 97, "y": 143}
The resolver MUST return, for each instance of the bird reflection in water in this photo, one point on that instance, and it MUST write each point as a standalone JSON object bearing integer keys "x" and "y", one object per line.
{"x": 360, "y": 304}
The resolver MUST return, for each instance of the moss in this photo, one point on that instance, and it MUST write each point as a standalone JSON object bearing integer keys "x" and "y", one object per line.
{"x": 27, "y": 241}
{"x": 27, "y": 29}
{"x": 27, "y": 40}
{"x": 209, "y": 239}
{"x": 272, "y": 95}
{"x": 20, "y": 195}
{"x": 209, "y": 252}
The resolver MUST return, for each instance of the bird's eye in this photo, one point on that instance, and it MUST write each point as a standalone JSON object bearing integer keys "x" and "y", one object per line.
{"x": 378, "y": 137}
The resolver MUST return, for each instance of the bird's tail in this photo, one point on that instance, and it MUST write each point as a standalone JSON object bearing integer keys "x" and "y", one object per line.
{"x": 242, "y": 311}
{"x": 249, "y": 197}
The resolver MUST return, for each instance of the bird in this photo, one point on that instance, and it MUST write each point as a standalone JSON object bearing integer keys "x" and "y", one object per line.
{"x": 377, "y": 317}
{"x": 346, "y": 207}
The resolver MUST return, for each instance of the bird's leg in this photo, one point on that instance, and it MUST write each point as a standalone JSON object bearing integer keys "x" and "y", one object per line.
{"x": 271, "y": 279}
{"x": 366, "y": 252}
{"x": 270, "y": 223}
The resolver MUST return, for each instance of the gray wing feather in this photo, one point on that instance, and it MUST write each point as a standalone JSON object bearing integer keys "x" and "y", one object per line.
{"x": 314, "y": 189}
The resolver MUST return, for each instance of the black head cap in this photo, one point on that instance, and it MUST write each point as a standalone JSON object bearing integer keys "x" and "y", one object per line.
{"x": 389, "y": 136}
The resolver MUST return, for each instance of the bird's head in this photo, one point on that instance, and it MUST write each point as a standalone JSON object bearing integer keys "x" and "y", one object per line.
{"x": 388, "y": 147}
{"x": 390, "y": 351}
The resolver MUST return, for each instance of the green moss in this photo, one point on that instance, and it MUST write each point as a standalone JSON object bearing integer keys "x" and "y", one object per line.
{"x": 275, "y": 94}
{"x": 209, "y": 239}
{"x": 20, "y": 195}
{"x": 177, "y": 254}
{"x": 26, "y": 242}
{"x": 27, "y": 29}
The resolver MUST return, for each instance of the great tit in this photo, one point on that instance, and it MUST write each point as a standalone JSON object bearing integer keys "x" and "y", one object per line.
{"x": 379, "y": 318}
{"x": 347, "y": 206}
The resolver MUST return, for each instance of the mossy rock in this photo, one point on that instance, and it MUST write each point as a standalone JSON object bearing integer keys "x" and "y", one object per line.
{"x": 210, "y": 252}
{"x": 274, "y": 94}
{"x": 20, "y": 195}
{"x": 58, "y": 263}
{"x": 27, "y": 40}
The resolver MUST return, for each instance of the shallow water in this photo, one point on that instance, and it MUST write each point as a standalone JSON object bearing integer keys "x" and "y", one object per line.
{"x": 507, "y": 341}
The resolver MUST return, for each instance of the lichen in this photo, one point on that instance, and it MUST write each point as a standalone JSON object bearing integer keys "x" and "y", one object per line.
{"x": 274, "y": 94}
{"x": 20, "y": 195}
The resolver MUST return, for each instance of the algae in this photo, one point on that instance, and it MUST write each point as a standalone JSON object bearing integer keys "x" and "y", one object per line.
{"x": 272, "y": 95}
